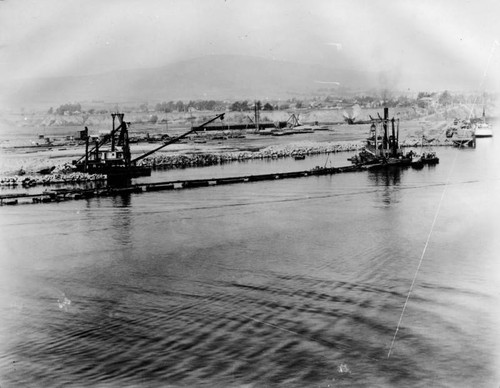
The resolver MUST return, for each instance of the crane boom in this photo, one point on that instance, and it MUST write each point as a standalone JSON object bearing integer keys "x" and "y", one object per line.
{"x": 221, "y": 116}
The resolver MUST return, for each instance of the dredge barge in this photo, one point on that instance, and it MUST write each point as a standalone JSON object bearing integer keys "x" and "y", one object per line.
{"x": 115, "y": 161}
{"x": 382, "y": 151}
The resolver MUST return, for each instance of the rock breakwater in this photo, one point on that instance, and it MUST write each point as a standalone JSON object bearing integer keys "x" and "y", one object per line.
{"x": 34, "y": 180}
{"x": 274, "y": 151}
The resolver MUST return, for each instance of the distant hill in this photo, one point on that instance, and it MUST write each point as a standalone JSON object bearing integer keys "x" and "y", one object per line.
{"x": 211, "y": 77}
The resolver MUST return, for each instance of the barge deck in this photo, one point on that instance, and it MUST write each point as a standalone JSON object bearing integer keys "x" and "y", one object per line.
{"x": 58, "y": 195}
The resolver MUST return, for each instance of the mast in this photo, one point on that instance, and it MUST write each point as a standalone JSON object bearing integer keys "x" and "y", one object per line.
{"x": 386, "y": 118}
{"x": 123, "y": 140}
{"x": 397, "y": 133}
{"x": 394, "y": 141}
{"x": 106, "y": 138}
{"x": 86, "y": 154}
{"x": 97, "y": 150}
{"x": 113, "y": 131}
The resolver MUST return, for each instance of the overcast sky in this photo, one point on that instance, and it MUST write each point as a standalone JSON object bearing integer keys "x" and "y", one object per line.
{"x": 406, "y": 39}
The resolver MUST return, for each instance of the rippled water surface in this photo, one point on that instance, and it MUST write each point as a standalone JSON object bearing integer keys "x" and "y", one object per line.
{"x": 297, "y": 282}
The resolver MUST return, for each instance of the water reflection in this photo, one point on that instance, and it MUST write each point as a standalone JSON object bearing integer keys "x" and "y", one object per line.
{"x": 179, "y": 289}
{"x": 121, "y": 220}
{"x": 387, "y": 179}
{"x": 112, "y": 215}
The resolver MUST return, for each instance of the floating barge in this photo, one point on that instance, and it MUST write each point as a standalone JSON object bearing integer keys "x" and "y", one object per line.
{"x": 240, "y": 127}
{"x": 464, "y": 141}
{"x": 59, "y": 195}
{"x": 383, "y": 149}
{"x": 115, "y": 160}
{"x": 381, "y": 152}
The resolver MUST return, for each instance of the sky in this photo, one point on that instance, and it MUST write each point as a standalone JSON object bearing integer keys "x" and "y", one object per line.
{"x": 403, "y": 41}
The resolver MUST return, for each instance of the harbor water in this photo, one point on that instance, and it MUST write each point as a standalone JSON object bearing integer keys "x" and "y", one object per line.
{"x": 365, "y": 279}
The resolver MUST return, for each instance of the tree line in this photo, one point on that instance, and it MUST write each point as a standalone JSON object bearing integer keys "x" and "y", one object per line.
{"x": 372, "y": 100}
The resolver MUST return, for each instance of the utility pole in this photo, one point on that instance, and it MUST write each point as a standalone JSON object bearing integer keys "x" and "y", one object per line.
{"x": 257, "y": 114}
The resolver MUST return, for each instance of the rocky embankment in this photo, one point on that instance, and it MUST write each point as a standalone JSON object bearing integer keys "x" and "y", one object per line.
{"x": 59, "y": 175}
{"x": 51, "y": 179}
{"x": 417, "y": 142}
{"x": 275, "y": 151}
{"x": 65, "y": 174}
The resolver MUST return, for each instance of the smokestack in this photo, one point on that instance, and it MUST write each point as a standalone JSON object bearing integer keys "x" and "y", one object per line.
{"x": 386, "y": 119}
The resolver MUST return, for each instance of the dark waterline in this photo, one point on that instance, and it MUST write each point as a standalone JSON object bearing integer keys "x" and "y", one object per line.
{"x": 286, "y": 283}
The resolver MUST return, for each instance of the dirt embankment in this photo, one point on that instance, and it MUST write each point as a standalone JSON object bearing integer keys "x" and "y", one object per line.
{"x": 339, "y": 138}
{"x": 184, "y": 119}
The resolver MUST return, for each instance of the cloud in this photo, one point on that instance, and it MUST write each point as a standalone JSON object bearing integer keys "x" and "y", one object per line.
{"x": 42, "y": 41}
{"x": 338, "y": 45}
{"x": 328, "y": 82}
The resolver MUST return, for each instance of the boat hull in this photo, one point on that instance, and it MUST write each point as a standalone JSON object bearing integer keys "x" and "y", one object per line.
{"x": 430, "y": 161}
{"x": 470, "y": 142}
{"x": 483, "y": 130}
{"x": 485, "y": 133}
{"x": 417, "y": 164}
{"x": 116, "y": 171}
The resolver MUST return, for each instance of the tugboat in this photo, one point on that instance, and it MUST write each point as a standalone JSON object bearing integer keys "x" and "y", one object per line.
{"x": 382, "y": 149}
{"x": 429, "y": 158}
{"x": 426, "y": 157}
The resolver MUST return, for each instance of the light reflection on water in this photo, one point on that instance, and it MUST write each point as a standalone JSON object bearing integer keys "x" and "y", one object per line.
{"x": 297, "y": 282}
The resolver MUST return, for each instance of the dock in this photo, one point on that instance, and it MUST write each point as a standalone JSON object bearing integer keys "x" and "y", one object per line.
{"x": 239, "y": 127}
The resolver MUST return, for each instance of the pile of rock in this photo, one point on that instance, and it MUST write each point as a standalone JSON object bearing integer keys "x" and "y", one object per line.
{"x": 416, "y": 142}
{"x": 34, "y": 180}
{"x": 182, "y": 160}
{"x": 308, "y": 149}
{"x": 275, "y": 151}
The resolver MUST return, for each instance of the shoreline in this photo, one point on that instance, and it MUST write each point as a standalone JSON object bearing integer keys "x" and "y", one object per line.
{"x": 65, "y": 175}
{"x": 21, "y": 166}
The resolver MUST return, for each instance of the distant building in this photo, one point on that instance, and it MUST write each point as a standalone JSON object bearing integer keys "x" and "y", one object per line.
{"x": 82, "y": 135}
{"x": 431, "y": 101}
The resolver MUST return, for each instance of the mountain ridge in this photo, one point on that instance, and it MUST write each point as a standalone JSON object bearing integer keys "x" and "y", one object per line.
{"x": 217, "y": 77}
